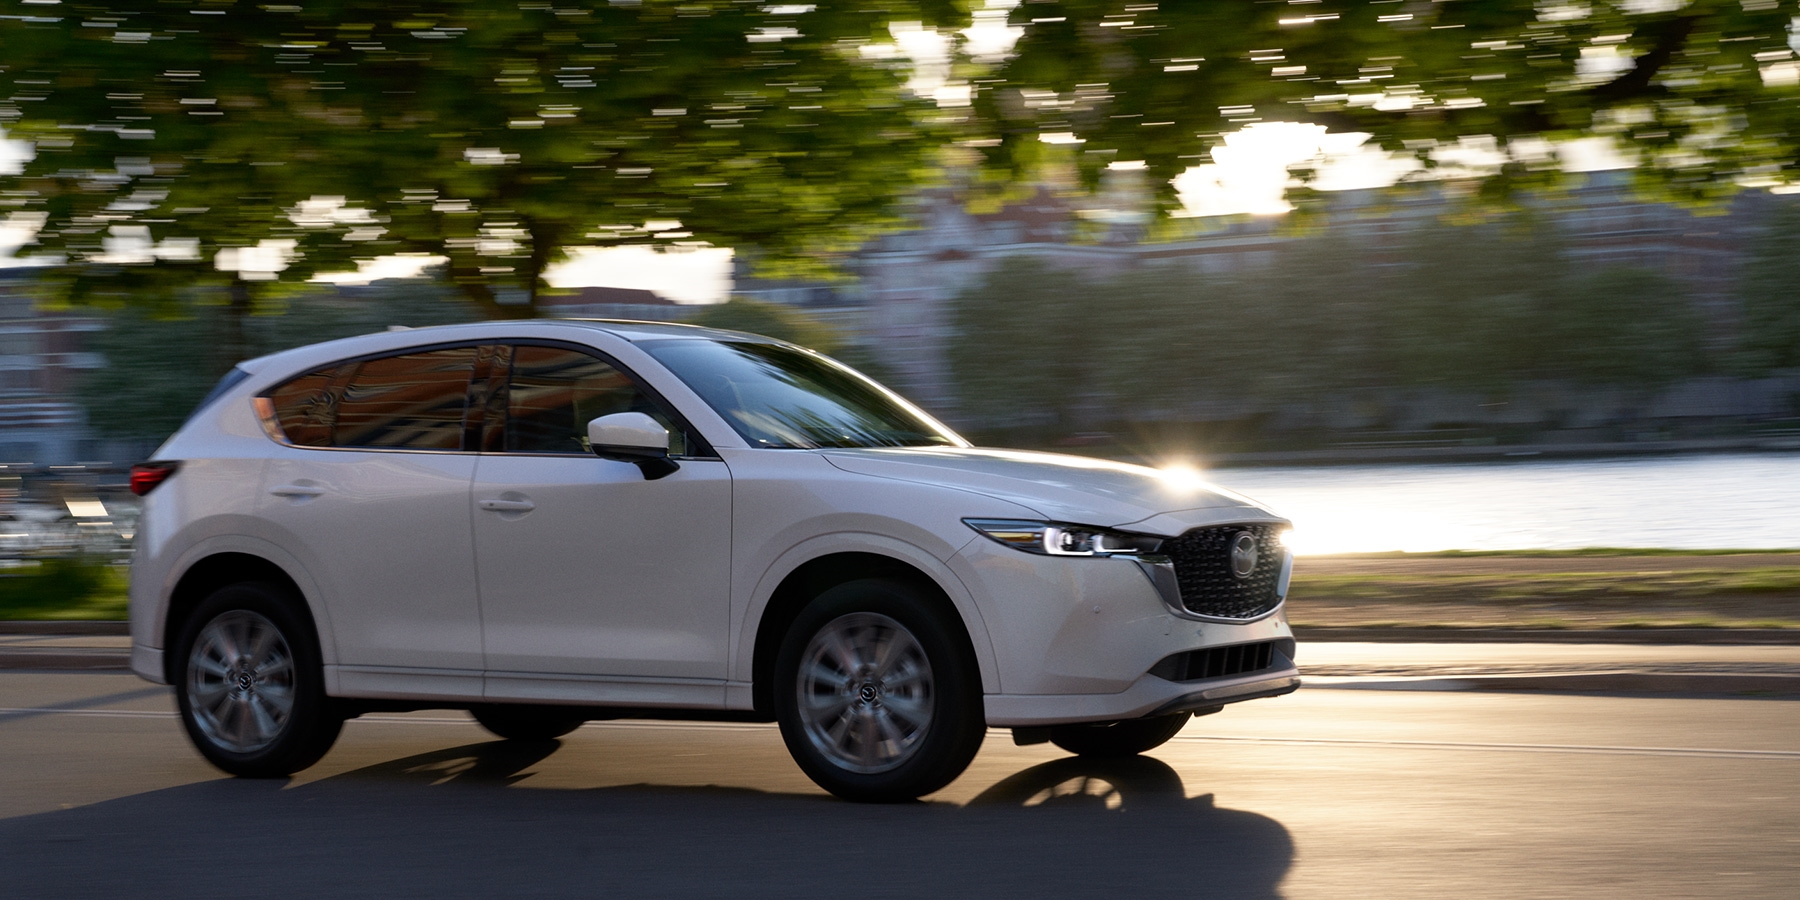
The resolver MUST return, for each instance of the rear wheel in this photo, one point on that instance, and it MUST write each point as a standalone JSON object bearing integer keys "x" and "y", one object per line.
{"x": 877, "y": 693}
{"x": 1116, "y": 739}
{"x": 250, "y": 690}
{"x": 527, "y": 723}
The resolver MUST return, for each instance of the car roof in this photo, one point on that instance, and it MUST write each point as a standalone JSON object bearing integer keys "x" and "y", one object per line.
{"x": 397, "y": 338}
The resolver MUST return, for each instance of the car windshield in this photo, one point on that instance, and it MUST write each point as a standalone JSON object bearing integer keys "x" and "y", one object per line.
{"x": 779, "y": 396}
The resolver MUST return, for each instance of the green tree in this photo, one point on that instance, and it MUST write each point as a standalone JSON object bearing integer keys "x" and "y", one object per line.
{"x": 151, "y": 381}
{"x": 1024, "y": 345}
{"x": 495, "y": 133}
{"x": 1702, "y": 93}
{"x": 1628, "y": 327}
{"x": 773, "y": 320}
{"x": 1770, "y": 334}
{"x": 1167, "y": 336}
{"x": 1471, "y": 306}
{"x": 500, "y": 133}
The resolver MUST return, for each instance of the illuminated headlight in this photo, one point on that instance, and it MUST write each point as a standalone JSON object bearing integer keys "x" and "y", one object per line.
{"x": 1059, "y": 539}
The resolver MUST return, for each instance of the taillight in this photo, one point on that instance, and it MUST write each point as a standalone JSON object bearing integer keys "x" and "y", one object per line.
{"x": 146, "y": 476}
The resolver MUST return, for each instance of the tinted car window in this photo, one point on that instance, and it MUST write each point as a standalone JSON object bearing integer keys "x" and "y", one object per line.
{"x": 303, "y": 407}
{"x": 553, "y": 392}
{"x": 415, "y": 400}
{"x": 780, "y": 396}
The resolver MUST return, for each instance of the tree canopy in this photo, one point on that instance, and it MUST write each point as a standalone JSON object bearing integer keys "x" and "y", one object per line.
{"x": 1704, "y": 95}
{"x": 494, "y": 133}
{"x": 178, "y": 138}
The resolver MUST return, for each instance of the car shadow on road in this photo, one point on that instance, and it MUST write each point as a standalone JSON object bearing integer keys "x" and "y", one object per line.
{"x": 450, "y": 823}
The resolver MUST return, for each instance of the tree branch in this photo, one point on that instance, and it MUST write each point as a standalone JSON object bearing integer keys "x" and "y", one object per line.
{"x": 1671, "y": 37}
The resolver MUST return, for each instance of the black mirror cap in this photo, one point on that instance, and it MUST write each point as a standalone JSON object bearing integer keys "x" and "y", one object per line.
{"x": 654, "y": 463}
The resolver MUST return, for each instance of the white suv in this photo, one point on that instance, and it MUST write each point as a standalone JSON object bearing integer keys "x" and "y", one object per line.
{"x": 547, "y": 522}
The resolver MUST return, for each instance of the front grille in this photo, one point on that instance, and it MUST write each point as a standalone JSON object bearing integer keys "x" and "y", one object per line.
{"x": 1216, "y": 662}
{"x": 1202, "y": 559}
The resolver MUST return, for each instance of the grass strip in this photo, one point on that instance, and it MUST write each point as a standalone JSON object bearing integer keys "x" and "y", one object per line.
{"x": 63, "y": 589}
{"x": 1703, "y": 596}
{"x": 1761, "y": 597}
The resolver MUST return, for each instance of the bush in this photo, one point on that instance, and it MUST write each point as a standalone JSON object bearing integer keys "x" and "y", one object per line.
{"x": 63, "y": 588}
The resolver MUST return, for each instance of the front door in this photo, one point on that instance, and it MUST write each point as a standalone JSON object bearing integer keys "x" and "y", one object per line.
{"x": 586, "y": 568}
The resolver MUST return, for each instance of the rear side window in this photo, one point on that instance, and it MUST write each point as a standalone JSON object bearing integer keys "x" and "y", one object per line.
{"x": 412, "y": 401}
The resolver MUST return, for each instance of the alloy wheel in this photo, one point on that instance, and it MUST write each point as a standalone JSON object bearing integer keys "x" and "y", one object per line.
{"x": 865, "y": 693}
{"x": 240, "y": 681}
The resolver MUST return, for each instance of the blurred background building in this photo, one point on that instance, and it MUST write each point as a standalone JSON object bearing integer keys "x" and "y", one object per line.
{"x": 43, "y": 354}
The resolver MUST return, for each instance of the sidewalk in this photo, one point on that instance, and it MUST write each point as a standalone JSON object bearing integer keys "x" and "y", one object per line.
{"x": 1442, "y": 659}
{"x": 64, "y": 645}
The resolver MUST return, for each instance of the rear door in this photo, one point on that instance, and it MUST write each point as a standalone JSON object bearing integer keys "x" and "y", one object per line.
{"x": 370, "y": 489}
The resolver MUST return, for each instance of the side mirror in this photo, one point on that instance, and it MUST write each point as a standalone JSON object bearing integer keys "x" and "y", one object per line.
{"x": 634, "y": 438}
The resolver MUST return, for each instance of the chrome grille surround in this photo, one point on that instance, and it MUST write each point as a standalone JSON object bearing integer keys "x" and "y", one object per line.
{"x": 1202, "y": 562}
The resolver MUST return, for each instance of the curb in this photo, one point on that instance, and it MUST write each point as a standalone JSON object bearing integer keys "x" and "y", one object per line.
{"x": 63, "y": 658}
{"x": 1751, "y": 685}
{"x": 1713, "y": 636}
{"x": 65, "y": 626}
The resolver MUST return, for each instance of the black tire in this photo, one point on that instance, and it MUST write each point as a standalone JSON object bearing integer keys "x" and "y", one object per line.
{"x": 527, "y": 723}
{"x": 1116, "y": 739}
{"x": 924, "y": 700}
{"x": 249, "y": 685}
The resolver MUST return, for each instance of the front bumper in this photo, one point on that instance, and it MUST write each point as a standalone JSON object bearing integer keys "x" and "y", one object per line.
{"x": 1080, "y": 626}
{"x": 1092, "y": 639}
{"x": 1149, "y": 696}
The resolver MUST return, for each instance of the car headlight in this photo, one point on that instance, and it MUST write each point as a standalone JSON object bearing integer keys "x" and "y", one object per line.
{"x": 1061, "y": 539}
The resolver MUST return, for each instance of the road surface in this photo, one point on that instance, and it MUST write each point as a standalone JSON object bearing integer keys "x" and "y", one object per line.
{"x": 1327, "y": 793}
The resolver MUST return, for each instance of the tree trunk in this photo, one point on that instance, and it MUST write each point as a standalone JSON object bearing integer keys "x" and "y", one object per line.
{"x": 234, "y": 342}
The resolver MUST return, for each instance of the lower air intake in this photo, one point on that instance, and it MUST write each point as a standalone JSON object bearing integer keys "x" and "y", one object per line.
{"x": 1216, "y": 662}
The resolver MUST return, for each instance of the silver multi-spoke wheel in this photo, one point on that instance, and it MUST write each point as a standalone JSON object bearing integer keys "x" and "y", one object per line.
{"x": 865, "y": 692}
{"x": 240, "y": 683}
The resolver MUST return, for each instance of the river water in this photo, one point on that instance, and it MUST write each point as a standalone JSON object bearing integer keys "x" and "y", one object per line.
{"x": 1726, "y": 501}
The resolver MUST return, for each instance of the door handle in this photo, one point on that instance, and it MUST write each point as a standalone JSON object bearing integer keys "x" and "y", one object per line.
{"x": 295, "y": 490}
{"x": 507, "y": 505}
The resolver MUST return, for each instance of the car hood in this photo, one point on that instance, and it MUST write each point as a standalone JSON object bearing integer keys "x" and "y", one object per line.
{"x": 1060, "y": 488}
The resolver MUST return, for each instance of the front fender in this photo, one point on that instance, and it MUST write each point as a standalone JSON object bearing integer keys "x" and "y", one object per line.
{"x": 746, "y": 615}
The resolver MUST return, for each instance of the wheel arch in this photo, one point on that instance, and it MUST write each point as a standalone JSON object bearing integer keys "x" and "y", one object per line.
{"x": 822, "y": 572}
{"x": 216, "y": 570}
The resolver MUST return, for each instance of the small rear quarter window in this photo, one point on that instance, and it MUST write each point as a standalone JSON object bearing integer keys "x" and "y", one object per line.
{"x": 303, "y": 408}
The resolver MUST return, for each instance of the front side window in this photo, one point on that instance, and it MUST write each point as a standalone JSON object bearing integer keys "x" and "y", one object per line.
{"x": 552, "y": 393}
{"x": 412, "y": 401}
{"x": 778, "y": 396}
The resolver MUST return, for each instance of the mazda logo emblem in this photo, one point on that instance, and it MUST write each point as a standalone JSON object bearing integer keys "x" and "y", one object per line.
{"x": 1243, "y": 554}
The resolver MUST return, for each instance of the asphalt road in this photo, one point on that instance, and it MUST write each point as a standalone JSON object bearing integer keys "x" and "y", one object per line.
{"x": 1327, "y": 793}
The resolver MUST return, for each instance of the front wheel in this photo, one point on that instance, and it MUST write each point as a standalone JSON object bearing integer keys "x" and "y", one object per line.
{"x": 251, "y": 692}
{"x": 877, "y": 693}
{"x": 1110, "y": 741}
